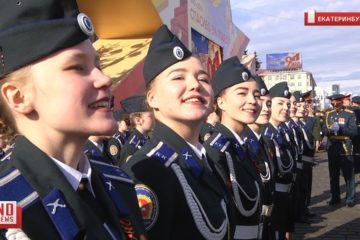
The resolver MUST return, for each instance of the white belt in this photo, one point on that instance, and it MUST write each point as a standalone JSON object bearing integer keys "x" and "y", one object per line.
{"x": 307, "y": 159}
{"x": 266, "y": 210}
{"x": 299, "y": 165}
{"x": 246, "y": 232}
{"x": 281, "y": 187}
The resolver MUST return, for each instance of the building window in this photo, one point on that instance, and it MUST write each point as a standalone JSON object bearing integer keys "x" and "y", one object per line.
{"x": 277, "y": 77}
{"x": 299, "y": 76}
{"x": 270, "y": 78}
{"x": 299, "y": 84}
{"x": 292, "y": 76}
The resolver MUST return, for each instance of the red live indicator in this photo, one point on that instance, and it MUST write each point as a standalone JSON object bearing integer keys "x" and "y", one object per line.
{"x": 313, "y": 18}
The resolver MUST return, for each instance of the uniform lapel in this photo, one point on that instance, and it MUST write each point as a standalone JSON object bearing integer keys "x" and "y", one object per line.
{"x": 43, "y": 175}
{"x": 179, "y": 145}
{"x": 246, "y": 162}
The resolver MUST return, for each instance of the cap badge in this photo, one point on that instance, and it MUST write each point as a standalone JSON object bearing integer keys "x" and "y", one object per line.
{"x": 301, "y": 99}
{"x": 263, "y": 92}
{"x": 85, "y": 24}
{"x": 245, "y": 76}
{"x": 286, "y": 93}
{"x": 178, "y": 53}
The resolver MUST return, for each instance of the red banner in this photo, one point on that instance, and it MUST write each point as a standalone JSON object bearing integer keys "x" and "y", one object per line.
{"x": 313, "y": 18}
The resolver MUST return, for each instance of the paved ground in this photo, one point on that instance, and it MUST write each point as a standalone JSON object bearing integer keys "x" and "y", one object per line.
{"x": 331, "y": 223}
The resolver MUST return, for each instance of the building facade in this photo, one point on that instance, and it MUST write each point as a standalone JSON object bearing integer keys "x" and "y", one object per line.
{"x": 298, "y": 80}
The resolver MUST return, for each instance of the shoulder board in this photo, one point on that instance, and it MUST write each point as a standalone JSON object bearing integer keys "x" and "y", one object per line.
{"x": 219, "y": 142}
{"x": 115, "y": 135}
{"x": 331, "y": 111}
{"x": 119, "y": 137}
{"x": 163, "y": 153}
{"x": 24, "y": 195}
{"x": 349, "y": 110}
{"x": 136, "y": 141}
{"x": 6, "y": 157}
{"x": 110, "y": 171}
{"x": 268, "y": 133}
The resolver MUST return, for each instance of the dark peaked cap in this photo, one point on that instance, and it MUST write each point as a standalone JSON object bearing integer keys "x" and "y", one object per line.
{"x": 298, "y": 96}
{"x": 280, "y": 89}
{"x": 134, "y": 104}
{"x": 356, "y": 99}
{"x": 118, "y": 115}
{"x": 336, "y": 97}
{"x": 165, "y": 50}
{"x": 33, "y": 29}
{"x": 229, "y": 73}
{"x": 262, "y": 86}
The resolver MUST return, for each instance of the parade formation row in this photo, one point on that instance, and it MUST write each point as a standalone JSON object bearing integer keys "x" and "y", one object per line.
{"x": 192, "y": 158}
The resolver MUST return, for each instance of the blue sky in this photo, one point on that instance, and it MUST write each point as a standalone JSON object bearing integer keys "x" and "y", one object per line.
{"x": 331, "y": 53}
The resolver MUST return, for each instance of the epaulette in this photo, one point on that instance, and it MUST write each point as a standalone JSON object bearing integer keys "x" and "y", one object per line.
{"x": 14, "y": 187}
{"x": 268, "y": 133}
{"x": 330, "y": 111}
{"x": 7, "y": 154}
{"x": 348, "y": 110}
{"x": 163, "y": 153}
{"x": 116, "y": 135}
{"x": 219, "y": 142}
{"x": 111, "y": 171}
{"x": 24, "y": 194}
{"x": 119, "y": 137}
{"x": 6, "y": 157}
{"x": 136, "y": 141}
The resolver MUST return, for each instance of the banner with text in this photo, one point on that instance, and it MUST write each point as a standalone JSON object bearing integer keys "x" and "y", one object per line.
{"x": 283, "y": 61}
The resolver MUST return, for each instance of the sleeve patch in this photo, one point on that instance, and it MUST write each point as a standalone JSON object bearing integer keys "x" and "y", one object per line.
{"x": 149, "y": 205}
{"x": 113, "y": 150}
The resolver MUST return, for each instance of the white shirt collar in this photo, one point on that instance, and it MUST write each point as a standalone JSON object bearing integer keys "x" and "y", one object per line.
{"x": 199, "y": 151}
{"x": 238, "y": 138}
{"x": 277, "y": 129}
{"x": 258, "y": 136}
{"x": 73, "y": 175}
{"x": 100, "y": 146}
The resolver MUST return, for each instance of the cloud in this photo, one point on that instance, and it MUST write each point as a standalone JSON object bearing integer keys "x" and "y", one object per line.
{"x": 332, "y": 54}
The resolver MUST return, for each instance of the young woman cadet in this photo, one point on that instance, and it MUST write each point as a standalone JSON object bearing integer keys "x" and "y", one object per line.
{"x": 259, "y": 151}
{"x": 237, "y": 98}
{"x": 179, "y": 194}
{"x": 55, "y": 96}
{"x": 282, "y": 222}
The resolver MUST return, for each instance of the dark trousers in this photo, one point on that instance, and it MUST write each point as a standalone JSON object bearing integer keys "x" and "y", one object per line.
{"x": 282, "y": 216}
{"x": 341, "y": 159}
{"x": 334, "y": 158}
{"x": 356, "y": 152}
{"x": 308, "y": 173}
{"x": 300, "y": 195}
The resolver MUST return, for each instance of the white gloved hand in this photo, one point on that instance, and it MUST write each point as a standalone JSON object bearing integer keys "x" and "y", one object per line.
{"x": 335, "y": 127}
{"x": 16, "y": 234}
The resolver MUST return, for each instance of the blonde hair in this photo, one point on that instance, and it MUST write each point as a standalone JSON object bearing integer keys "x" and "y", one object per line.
{"x": 20, "y": 75}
